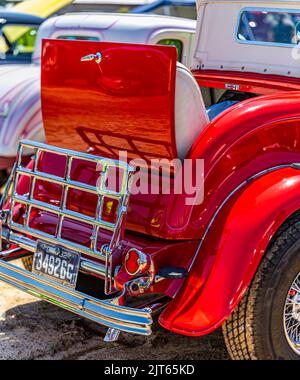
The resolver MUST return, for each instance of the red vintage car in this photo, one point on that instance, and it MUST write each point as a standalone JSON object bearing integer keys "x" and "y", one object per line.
{"x": 162, "y": 192}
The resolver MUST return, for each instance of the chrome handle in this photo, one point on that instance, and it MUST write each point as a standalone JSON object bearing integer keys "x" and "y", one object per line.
{"x": 92, "y": 57}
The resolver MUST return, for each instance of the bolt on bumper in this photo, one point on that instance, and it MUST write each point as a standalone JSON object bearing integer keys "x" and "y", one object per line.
{"x": 105, "y": 312}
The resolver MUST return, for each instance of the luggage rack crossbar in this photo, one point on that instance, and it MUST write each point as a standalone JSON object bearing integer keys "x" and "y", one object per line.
{"x": 60, "y": 181}
{"x": 29, "y": 201}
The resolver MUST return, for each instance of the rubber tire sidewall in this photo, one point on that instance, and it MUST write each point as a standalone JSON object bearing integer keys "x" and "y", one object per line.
{"x": 274, "y": 344}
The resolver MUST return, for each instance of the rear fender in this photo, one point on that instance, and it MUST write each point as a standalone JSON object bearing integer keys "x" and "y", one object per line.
{"x": 231, "y": 251}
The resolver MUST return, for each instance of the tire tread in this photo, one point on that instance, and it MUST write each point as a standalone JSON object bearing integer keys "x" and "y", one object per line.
{"x": 240, "y": 329}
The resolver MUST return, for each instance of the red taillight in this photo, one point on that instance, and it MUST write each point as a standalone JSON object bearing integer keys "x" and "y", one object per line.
{"x": 136, "y": 262}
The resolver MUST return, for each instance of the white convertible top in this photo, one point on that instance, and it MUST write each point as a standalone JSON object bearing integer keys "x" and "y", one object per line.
{"x": 218, "y": 48}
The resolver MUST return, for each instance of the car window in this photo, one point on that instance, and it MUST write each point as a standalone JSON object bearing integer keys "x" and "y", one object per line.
{"x": 269, "y": 27}
{"x": 176, "y": 11}
{"x": 172, "y": 42}
{"x": 75, "y": 8}
{"x": 17, "y": 42}
{"x": 76, "y": 37}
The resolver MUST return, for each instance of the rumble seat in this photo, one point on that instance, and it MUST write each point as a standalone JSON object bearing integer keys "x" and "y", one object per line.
{"x": 190, "y": 113}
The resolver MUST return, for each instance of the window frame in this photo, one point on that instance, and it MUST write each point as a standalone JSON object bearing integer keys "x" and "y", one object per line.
{"x": 10, "y": 57}
{"x": 262, "y": 43}
{"x": 179, "y": 58}
{"x": 80, "y": 33}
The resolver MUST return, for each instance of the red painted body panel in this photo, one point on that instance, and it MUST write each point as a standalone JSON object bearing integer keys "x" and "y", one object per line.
{"x": 231, "y": 253}
{"x": 246, "y": 82}
{"x": 250, "y": 137}
{"x": 112, "y": 106}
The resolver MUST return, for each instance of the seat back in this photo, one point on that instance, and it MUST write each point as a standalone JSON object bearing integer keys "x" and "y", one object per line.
{"x": 190, "y": 113}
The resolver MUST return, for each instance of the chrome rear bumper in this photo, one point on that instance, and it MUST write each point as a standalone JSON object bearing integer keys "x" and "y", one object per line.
{"x": 106, "y": 312}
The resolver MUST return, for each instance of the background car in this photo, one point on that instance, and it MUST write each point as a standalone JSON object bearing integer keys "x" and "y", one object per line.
{"x": 17, "y": 42}
{"x": 17, "y": 36}
{"x": 177, "y": 8}
{"x": 116, "y": 6}
{"x": 47, "y": 8}
{"x": 20, "y": 105}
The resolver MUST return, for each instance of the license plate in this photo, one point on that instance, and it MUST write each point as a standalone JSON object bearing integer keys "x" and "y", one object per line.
{"x": 56, "y": 263}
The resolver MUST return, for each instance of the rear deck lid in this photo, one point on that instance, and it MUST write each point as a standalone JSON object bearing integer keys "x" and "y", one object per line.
{"x": 122, "y": 101}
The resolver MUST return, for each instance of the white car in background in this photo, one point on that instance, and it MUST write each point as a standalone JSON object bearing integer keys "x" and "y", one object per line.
{"x": 20, "y": 104}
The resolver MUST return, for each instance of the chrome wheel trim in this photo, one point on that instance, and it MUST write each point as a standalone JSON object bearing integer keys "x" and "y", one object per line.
{"x": 291, "y": 316}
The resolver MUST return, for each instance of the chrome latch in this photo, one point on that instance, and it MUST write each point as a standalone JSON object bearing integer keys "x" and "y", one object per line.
{"x": 92, "y": 57}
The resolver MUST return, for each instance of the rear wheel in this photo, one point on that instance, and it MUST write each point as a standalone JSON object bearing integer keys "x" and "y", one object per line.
{"x": 266, "y": 323}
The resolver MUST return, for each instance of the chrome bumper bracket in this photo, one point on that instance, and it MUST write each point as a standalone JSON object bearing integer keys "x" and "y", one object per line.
{"x": 112, "y": 335}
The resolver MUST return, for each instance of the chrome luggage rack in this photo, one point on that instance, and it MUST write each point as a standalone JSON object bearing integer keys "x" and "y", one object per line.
{"x": 17, "y": 233}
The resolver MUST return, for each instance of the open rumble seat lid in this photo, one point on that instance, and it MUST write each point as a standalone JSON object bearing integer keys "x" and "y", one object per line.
{"x": 122, "y": 101}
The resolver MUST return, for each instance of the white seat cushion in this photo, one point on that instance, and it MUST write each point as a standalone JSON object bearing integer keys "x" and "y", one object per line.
{"x": 190, "y": 113}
